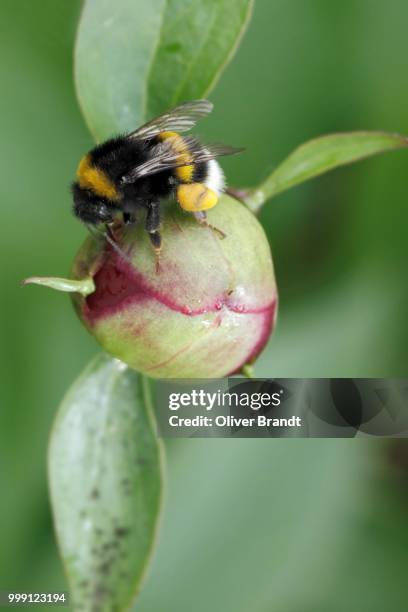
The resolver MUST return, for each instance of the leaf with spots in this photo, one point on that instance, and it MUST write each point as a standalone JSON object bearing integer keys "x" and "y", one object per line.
{"x": 133, "y": 60}
{"x": 106, "y": 483}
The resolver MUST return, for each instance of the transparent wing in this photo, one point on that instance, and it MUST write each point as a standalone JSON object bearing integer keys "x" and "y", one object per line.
{"x": 179, "y": 119}
{"x": 165, "y": 156}
{"x": 203, "y": 153}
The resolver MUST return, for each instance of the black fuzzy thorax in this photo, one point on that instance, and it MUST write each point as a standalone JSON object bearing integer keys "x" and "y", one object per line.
{"x": 118, "y": 156}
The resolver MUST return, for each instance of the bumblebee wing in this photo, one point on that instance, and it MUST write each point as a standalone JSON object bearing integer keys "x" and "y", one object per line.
{"x": 201, "y": 153}
{"x": 162, "y": 157}
{"x": 166, "y": 155}
{"x": 179, "y": 119}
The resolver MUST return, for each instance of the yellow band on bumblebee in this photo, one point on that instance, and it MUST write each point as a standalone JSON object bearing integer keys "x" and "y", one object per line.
{"x": 95, "y": 179}
{"x": 183, "y": 173}
{"x": 196, "y": 196}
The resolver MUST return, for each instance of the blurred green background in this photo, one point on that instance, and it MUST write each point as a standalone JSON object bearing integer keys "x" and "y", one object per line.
{"x": 260, "y": 525}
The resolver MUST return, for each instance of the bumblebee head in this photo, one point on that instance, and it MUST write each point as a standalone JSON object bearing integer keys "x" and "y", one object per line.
{"x": 89, "y": 207}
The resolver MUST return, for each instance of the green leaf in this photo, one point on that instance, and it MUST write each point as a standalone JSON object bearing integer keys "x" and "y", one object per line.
{"x": 134, "y": 59}
{"x": 197, "y": 39}
{"x": 106, "y": 482}
{"x": 321, "y": 155}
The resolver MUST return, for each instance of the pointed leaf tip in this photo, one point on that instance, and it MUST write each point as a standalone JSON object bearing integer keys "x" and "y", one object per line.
{"x": 147, "y": 56}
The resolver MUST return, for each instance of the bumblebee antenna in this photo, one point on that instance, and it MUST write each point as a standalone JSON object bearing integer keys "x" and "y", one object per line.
{"x": 108, "y": 236}
{"x": 94, "y": 232}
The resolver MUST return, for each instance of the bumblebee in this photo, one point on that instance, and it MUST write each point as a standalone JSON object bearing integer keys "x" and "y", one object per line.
{"x": 143, "y": 168}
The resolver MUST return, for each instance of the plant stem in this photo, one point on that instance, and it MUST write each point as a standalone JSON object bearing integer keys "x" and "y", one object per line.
{"x": 255, "y": 199}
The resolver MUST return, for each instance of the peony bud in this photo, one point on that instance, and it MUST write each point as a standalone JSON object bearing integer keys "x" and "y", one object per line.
{"x": 207, "y": 312}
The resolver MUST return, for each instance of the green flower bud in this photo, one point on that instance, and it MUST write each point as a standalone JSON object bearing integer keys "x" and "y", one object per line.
{"x": 207, "y": 312}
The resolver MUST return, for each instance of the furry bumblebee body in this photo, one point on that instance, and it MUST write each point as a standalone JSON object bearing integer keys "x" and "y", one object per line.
{"x": 139, "y": 170}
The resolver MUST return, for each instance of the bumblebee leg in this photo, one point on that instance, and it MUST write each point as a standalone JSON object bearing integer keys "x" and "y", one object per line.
{"x": 152, "y": 227}
{"x": 112, "y": 231}
{"x": 201, "y": 217}
{"x": 115, "y": 228}
{"x": 153, "y": 217}
{"x": 156, "y": 240}
{"x": 128, "y": 218}
{"x": 111, "y": 238}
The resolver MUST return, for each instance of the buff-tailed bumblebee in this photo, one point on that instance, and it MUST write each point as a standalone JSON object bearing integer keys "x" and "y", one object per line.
{"x": 153, "y": 163}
